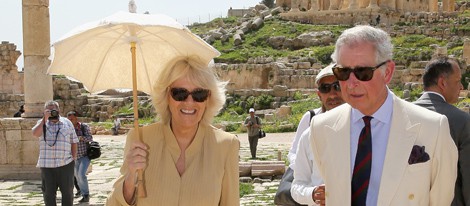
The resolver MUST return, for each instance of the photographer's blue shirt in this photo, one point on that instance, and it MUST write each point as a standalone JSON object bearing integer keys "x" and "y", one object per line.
{"x": 55, "y": 150}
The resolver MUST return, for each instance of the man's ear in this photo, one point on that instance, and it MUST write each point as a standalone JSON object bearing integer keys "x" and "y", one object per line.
{"x": 389, "y": 71}
{"x": 441, "y": 83}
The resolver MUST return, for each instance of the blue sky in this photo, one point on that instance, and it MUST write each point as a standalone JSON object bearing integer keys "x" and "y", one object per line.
{"x": 67, "y": 14}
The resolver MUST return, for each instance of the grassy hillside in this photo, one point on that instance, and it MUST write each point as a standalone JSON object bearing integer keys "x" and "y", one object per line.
{"x": 408, "y": 48}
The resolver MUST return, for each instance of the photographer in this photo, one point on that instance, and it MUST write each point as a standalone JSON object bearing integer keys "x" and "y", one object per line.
{"x": 253, "y": 125}
{"x": 57, "y": 152}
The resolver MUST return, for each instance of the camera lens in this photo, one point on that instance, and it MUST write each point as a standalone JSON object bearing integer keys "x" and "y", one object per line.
{"x": 54, "y": 114}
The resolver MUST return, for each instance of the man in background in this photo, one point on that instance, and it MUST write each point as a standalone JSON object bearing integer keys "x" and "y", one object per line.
{"x": 57, "y": 152}
{"x": 116, "y": 125}
{"x": 253, "y": 125}
{"x": 19, "y": 112}
{"x": 442, "y": 87}
{"x": 329, "y": 94}
{"x": 81, "y": 164}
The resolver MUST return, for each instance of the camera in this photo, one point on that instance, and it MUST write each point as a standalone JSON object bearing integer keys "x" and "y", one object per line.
{"x": 54, "y": 115}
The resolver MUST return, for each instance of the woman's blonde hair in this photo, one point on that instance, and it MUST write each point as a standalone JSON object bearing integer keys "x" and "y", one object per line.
{"x": 199, "y": 74}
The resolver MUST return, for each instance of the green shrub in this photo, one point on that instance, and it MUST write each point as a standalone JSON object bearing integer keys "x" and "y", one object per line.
{"x": 456, "y": 51}
{"x": 125, "y": 110}
{"x": 233, "y": 127}
{"x": 246, "y": 188}
{"x": 466, "y": 13}
{"x": 462, "y": 103}
{"x": 414, "y": 93}
{"x": 323, "y": 54}
{"x": 298, "y": 95}
{"x": 264, "y": 101}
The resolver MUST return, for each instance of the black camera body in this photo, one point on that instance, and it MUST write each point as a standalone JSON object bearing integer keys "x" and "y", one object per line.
{"x": 54, "y": 115}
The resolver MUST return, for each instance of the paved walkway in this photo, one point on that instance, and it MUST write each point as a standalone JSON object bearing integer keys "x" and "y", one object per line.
{"x": 106, "y": 170}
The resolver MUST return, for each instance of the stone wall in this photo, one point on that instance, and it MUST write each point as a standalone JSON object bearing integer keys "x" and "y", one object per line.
{"x": 284, "y": 79}
{"x": 466, "y": 50}
{"x": 11, "y": 81}
{"x": 238, "y": 12}
{"x": 274, "y": 78}
{"x": 18, "y": 149}
{"x": 344, "y": 5}
{"x": 72, "y": 95}
{"x": 342, "y": 17}
{"x": 10, "y": 104}
{"x": 322, "y": 12}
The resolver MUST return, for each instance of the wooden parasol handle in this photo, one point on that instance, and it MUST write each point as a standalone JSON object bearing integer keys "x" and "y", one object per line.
{"x": 139, "y": 181}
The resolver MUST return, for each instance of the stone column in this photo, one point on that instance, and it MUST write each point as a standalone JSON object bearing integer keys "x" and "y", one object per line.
{"x": 353, "y": 4}
{"x": 373, "y": 4}
{"x": 448, "y": 5}
{"x": 36, "y": 48}
{"x": 433, "y": 6}
{"x": 313, "y": 5}
{"x": 294, "y": 6}
{"x": 334, "y": 5}
{"x": 389, "y": 4}
{"x": 466, "y": 50}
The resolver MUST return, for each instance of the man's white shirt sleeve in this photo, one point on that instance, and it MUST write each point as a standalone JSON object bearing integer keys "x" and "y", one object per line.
{"x": 306, "y": 174}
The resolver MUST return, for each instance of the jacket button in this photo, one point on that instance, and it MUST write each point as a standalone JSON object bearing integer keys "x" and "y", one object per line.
{"x": 411, "y": 196}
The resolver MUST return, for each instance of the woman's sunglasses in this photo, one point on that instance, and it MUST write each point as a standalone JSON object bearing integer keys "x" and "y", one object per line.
{"x": 326, "y": 88}
{"x": 361, "y": 73}
{"x": 181, "y": 94}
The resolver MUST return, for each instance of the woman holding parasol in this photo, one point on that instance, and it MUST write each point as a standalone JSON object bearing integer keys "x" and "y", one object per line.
{"x": 187, "y": 161}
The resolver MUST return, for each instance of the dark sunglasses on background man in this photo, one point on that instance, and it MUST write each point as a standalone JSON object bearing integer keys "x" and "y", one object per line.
{"x": 361, "y": 73}
{"x": 181, "y": 94}
{"x": 326, "y": 88}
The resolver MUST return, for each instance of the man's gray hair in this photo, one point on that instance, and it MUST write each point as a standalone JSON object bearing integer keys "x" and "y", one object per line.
{"x": 52, "y": 102}
{"x": 364, "y": 33}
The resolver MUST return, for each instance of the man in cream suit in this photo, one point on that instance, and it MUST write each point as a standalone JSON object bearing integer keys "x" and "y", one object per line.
{"x": 379, "y": 149}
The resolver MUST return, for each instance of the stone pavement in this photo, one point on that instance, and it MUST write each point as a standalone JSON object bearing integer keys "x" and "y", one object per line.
{"x": 106, "y": 170}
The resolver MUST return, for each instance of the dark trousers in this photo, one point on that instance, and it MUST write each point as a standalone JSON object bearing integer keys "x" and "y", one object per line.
{"x": 283, "y": 195}
{"x": 253, "y": 144}
{"x": 61, "y": 177}
{"x": 76, "y": 184}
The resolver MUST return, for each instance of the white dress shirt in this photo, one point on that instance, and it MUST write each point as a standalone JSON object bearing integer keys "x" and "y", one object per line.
{"x": 380, "y": 129}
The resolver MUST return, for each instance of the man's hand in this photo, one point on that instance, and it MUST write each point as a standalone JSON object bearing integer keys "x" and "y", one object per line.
{"x": 318, "y": 195}
{"x": 47, "y": 114}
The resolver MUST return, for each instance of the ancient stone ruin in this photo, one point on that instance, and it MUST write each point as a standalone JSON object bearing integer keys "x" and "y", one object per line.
{"x": 11, "y": 81}
{"x": 351, "y": 11}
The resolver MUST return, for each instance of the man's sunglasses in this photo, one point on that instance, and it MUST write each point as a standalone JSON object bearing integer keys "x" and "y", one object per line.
{"x": 361, "y": 73}
{"x": 326, "y": 88}
{"x": 181, "y": 94}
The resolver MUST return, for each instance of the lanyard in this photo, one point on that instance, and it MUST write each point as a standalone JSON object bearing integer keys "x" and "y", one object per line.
{"x": 56, "y": 135}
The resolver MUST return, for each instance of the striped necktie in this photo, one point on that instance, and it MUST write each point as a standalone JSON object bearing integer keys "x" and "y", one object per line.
{"x": 362, "y": 166}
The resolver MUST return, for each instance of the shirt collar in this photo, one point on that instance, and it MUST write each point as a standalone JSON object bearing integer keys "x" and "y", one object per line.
{"x": 383, "y": 114}
{"x": 431, "y": 92}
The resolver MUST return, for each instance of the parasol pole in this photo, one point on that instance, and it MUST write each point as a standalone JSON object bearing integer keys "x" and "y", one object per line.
{"x": 139, "y": 181}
